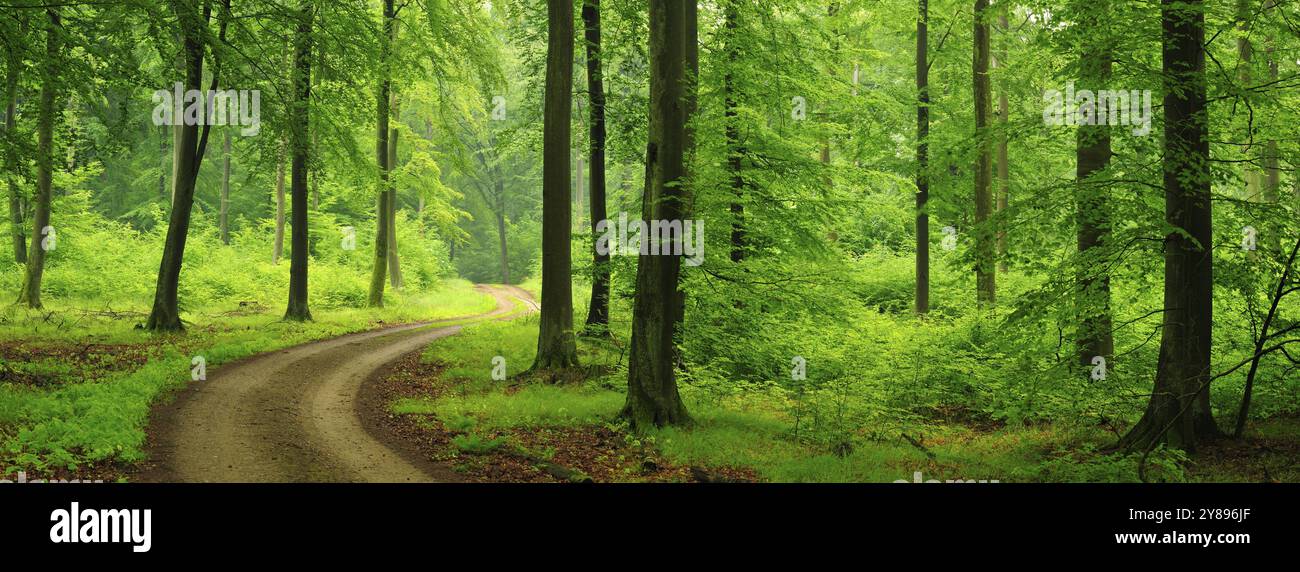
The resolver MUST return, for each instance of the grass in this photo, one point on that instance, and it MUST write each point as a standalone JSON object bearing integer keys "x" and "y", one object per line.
{"x": 76, "y": 424}
{"x": 755, "y": 431}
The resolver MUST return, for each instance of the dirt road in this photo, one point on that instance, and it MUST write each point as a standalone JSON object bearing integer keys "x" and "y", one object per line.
{"x": 293, "y": 416}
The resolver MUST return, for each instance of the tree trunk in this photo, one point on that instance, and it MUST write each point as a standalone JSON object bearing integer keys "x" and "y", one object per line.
{"x": 16, "y": 225}
{"x": 1179, "y": 412}
{"x": 556, "y": 345}
{"x": 190, "y": 147}
{"x": 1093, "y": 153}
{"x": 1272, "y": 170}
{"x": 985, "y": 270}
{"x": 378, "y": 276}
{"x": 922, "y": 158}
{"x": 501, "y": 239}
{"x": 598, "y": 309}
{"x": 299, "y": 122}
{"x": 1003, "y": 167}
{"x": 223, "y": 217}
{"x": 735, "y": 153}
{"x": 394, "y": 265}
{"x": 1246, "y": 56}
{"x": 652, "y": 397}
{"x": 578, "y": 184}
{"x": 279, "y": 207}
{"x": 163, "y": 156}
{"x": 31, "y": 291}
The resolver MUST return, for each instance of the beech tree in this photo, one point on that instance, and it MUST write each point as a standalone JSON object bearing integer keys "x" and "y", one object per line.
{"x": 652, "y": 396}
{"x": 1179, "y": 412}
{"x": 556, "y": 344}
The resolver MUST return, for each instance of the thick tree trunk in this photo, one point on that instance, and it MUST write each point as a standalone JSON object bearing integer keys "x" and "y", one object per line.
{"x": 652, "y": 397}
{"x": 279, "y": 208}
{"x": 224, "y": 214}
{"x": 1093, "y": 153}
{"x": 985, "y": 270}
{"x": 556, "y": 345}
{"x": 379, "y": 273}
{"x": 598, "y": 309}
{"x": 11, "y": 160}
{"x": 299, "y": 122}
{"x": 922, "y": 158}
{"x": 31, "y": 291}
{"x": 1179, "y": 413}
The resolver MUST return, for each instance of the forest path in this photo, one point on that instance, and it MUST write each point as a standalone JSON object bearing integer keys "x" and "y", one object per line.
{"x": 295, "y": 415}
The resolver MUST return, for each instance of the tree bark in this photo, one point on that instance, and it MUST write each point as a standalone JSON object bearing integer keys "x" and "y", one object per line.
{"x": 1093, "y": 153}
{"x": 1003, "y": 166}
{"x": 556, "y": 344}
{"x": 394, "y": 264}
{"x": 1245, "y": 75}
{"x": 31, "y": 291}
{"x": 224, "y": 214}
{"x": 299, "y": 122}
{"x": 652, "y": 397}
{"x": 985, "y": 270}
{"x": 279, "y": 207}
{"x": 735, "y": 152}
{"x": 598, "y": 309}
{"x": 1179, "y": 412}
{"x": 922, "y": 158}
{"x": 16, "y": 226}
{"x": 379, "y": 273}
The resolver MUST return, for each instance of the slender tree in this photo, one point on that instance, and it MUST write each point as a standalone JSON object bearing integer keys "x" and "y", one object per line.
{"x": 731, "y": 113}
{"x": 598, "y": 309}
{"x": 189, "y": 149}
{"x": 556, "y": 344}
{"x": 278, "y": 247}
{"x": 1004, "y": 165}
{"x": 1092, "y": 193}
{"x": 922, "y": 158}
{"x": 224, "y": 209}
{"x": 31, "y": 291}
{"x": 652, "y": 397}
{"x": 14, "y": 67}
{"x": 379, "y": 273}
{"x": 394, "y": 265}
{"x": 985, "y": 270}
{"x": 300, "y": 143}
{"x": 1179, "y": 411}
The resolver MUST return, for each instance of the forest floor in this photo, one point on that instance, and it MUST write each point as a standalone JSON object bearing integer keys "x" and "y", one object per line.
{"x": 528, "y": 428}
{"x": 392, "y": 395}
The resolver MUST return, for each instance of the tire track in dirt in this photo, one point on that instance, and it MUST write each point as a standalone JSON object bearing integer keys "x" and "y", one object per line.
{"x": 293, "y": 415}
